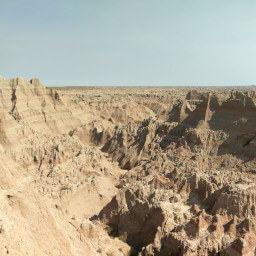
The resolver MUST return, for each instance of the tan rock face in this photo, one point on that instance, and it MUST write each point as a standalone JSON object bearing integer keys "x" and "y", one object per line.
{"x": 126, "y": 171}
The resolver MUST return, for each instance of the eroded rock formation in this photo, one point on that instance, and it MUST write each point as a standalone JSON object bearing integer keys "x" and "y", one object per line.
{"x": 126, "y": 171}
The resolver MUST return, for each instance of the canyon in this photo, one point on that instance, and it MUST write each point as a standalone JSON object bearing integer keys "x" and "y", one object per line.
{"x": 127, "y": 170}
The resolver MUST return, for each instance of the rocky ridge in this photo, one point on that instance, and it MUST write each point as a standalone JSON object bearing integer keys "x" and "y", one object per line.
{"x": 125, "y": 171}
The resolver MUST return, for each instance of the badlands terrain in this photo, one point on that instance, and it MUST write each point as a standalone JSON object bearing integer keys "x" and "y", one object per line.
{"x": 126, "y": 171}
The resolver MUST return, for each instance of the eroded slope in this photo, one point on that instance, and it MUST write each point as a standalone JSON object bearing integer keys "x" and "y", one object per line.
{"x": 169, "y": 171}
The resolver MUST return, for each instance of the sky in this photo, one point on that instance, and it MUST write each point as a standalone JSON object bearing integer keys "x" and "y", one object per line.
{"x": 129, "y": 42}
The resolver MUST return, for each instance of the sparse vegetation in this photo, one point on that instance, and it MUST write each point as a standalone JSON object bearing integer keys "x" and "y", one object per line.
{"x": 132, "y": 252}
{"x": 251, "y": 172}
{"x": 121, "y": 185}
{"x": 65, "y": 188}
{"x": 112, "y": 231}
{"x": 123, "y": 237}
{"x": 121, "y": 176}
{"x": 99, "y": 250}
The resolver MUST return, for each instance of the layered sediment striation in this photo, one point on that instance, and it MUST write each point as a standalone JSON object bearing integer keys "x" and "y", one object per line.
{"x": 126, "y": 171}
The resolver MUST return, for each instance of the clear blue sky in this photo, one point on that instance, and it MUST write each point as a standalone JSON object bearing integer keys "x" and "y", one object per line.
{"x": 129, "y": 42}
